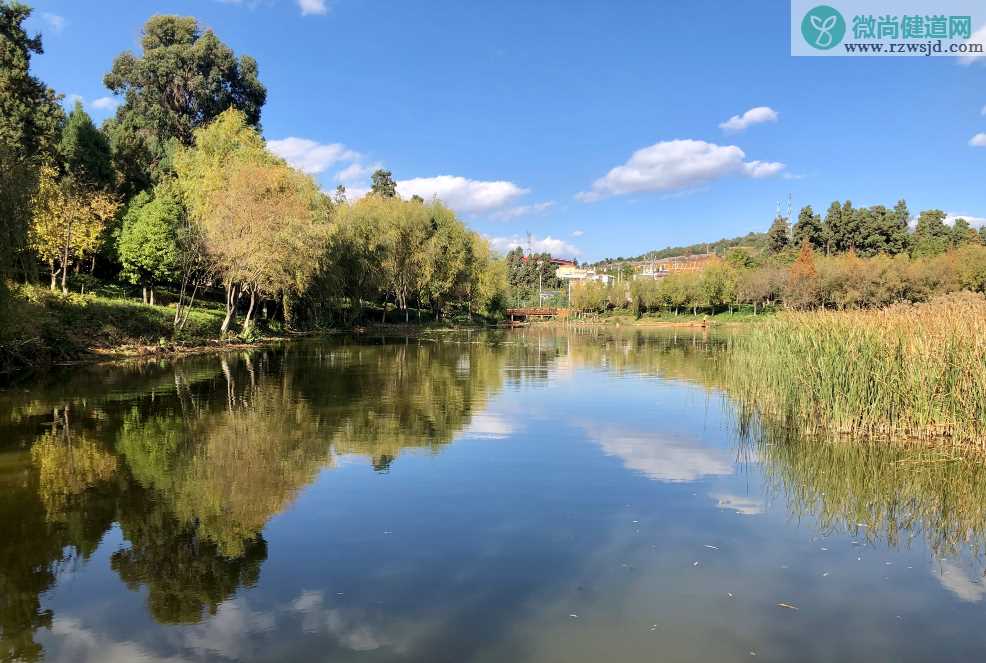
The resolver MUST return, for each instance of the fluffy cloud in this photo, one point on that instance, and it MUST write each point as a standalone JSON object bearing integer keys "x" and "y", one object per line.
{"x": 661, "y": 458}
{"x": 953, "y": 578}
{"x": 675, "y": 165}
{"x": 357, "y": 171}
{"x": 979, "y": 140}
{"x": 461, "y": 194}
{"x": 105, "y": 103}
{"x": 317, "y": 7}
{"x": 56, "y": 22}
{"x": 554, "y": 246}
{"x": 753, "y": 116}
{"x": 524, "y": 210}
{"x": 578, "y": 233}
{"x": 310, "y": 156}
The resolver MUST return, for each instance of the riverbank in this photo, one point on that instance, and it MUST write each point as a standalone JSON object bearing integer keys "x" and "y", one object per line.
{"x": 40, "y": 328}
{"x": 621, "y": 318}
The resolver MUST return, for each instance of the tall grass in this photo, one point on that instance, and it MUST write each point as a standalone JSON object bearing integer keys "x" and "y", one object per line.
{"x": 907, "y": 371}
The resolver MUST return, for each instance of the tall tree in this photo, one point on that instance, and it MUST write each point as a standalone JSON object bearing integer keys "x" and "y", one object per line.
{"x": 778, "y": 237}
{"x": 30, "y": 117}
{"x": 809, "y": 228}
{"x": 962, "y": 233}
{"x": 85, "y": 151}
{"x": 383, "y": 184}
{"x": 931, "y": 235}
{"x": 183, "y": 79}
{"x": 881, "y": 231}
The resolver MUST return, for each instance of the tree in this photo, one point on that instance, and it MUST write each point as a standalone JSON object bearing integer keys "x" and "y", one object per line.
{"x": 183, "y": 79}
{"x": 67, "y": 222}
{"x": 383, "y": 184}
{"x": 962, "y": 233}
{"x": 802, "y": 280}
{"x": 778, "y": 236}
{"x": 833, "y": 227}
{"x": 881, "y": 231}
{"x": 85, "y": 151}
{"x": 931, "y": 236}
{"x": 268, "y": 229}
{"x": 809, "y": 229}
{"x": 30, "y": 117}
{"x": 202, "y": 173}
{"x": 148, "y": 245}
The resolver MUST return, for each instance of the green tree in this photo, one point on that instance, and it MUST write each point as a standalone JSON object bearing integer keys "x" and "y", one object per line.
{"x": 881, "y": 231}
{"x": 962, "y": 233}
{"x": 85, "y": 151}
{"x": 931, "y": 236}
{"x": 809, "y": 228}
{"x": 183, "y": 79}
{"x": 383, "y": 184}
{"x": 30, "y": 118}
{"x": 833, "y": 227}
{"x": 148, "y": 245}
{"x": 778, "y": 237}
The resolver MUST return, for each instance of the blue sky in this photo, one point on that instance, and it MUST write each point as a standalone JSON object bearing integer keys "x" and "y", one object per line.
{"x": 517, "y": 113}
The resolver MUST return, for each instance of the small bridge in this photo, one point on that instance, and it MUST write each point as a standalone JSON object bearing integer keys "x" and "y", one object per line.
{"x": 535, "y": 313}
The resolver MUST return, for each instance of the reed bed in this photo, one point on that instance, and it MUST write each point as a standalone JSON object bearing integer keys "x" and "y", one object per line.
{"x": 905, "y": 372}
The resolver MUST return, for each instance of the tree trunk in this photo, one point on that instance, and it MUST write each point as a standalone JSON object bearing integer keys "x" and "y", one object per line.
{"x": 248, "y": 320}
{"x": 151, "y": 301}
{"x": 143, "y": 294}
{"x": 230, "y": 307}
{"x": 54, "y": 272}
{"x": 68, "y": 242}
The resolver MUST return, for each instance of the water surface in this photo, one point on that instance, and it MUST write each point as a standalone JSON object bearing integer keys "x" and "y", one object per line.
{"x": 520, "y": 496}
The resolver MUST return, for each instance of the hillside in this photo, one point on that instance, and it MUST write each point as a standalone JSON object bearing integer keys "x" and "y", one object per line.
{"x": 754, "y": 240}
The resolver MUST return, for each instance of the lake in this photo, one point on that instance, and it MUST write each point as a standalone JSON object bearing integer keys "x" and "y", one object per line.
{"x": 527, "y": 495}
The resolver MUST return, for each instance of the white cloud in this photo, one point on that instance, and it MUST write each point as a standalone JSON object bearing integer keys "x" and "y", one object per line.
{"x": 978, "y": 37}
{"x": 976, "y": 221}
{"x": 955, "y": 580}
{"x": 357, "y": 171}
{"x": 556, "y": 247}
{"x": 523, "y": 210}
{"x": 753, "y": 116}
{"x": 56, "y": 22}
{"x": 662, "y": 458}
{"x": 309, "y": 156}
{"x": 578, "y": 233}
{"x": 317, "y": 7}
{"x": 105, "y": 103}
{"x": 979, "y": 140}
{"x": 761, "y": 169}
{"x": 461, "y": 194}
{"x": 745, "y": 506}
{"x": 674, "y": 165}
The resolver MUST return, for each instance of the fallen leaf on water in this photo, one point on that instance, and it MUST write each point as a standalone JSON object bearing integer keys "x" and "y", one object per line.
{"x": 574, "y": 616}
{"x": 694, "y": 563}
{"x": 711, "y": 547}
{"x": 787, "y": 605}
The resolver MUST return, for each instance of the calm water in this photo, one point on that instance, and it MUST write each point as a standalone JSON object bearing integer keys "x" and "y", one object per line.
{"x": 527, "y": 496}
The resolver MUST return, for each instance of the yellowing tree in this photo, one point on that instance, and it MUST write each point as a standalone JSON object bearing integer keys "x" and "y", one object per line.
{"x": 67, "y": 223}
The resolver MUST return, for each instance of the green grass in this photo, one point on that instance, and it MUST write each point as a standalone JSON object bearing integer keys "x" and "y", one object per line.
{"x": 904, "y": 372}
{"x": 40, "y": 327}
{"x": 627, "y": 317}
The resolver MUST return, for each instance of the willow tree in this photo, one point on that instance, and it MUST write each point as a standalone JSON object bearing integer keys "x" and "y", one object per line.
{"x": 268, "y": 227}
{"x": 67, "y": 223}
{"x": 203, "y": 173}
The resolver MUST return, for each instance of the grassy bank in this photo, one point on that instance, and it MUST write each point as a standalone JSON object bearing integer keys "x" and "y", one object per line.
{"x": 40, "y": 327}
{"x": 907, "y": 371}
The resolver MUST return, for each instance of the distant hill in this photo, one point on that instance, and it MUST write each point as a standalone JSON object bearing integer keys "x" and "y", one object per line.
{"x": 755, "y": 241}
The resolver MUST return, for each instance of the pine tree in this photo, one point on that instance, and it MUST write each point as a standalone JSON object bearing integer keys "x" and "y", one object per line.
{"x": 778, "y": 237}
{"x": 809, "y": 229}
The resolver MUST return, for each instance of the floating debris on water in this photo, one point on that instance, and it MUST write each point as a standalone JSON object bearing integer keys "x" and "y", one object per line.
{"x": 574, "y": 616}
{"x": 788, "y": 606}
{"x": 695, "y": 563}
{"x": 711, "y": 547}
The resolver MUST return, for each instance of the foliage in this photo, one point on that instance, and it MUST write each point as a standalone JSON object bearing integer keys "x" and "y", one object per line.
{"x": 183, "y": 79}
{"x": 779, "y": 236}
{"x": 68, "y": 222}
{"x": 30, "y": 117}
{"x": 148, "y": 245}
{"x": 383, "y": 184}
{"x": 85, "y": 152}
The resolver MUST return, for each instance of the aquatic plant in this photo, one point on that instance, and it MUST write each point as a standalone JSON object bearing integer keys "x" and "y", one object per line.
{"x": 903, "y": 372}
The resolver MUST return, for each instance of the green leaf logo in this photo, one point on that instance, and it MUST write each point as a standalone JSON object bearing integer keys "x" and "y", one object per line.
{"x": 823, "y": 27}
